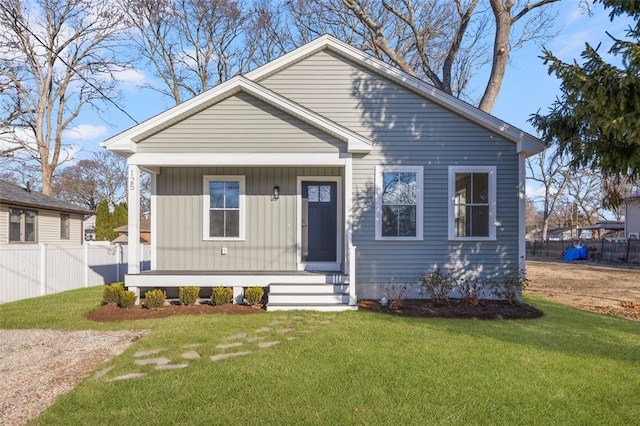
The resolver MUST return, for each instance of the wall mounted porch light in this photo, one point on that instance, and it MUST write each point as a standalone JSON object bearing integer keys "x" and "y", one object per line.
{"x": 276, "y": 192}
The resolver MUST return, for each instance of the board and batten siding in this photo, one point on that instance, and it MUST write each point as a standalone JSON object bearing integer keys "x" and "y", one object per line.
{"x": 270, "y": 242}
{"x": 48, "y": 226}
{"x": 408, "y": 130}
{"x": 240, "y": 124}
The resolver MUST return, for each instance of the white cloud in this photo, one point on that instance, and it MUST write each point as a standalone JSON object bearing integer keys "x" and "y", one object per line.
{"x": 130, "y": 76}
{"x": 85, "y": 132}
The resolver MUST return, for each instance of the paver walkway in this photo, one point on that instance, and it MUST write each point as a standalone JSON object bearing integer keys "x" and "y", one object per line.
{"x": 236, "y": 345}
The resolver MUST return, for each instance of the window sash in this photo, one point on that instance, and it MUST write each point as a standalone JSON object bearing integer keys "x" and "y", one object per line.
{"x": 64, "y": 226}
{"x": 399, "y": 206}
{"x": 23, "y": 226}
{"x": 472, "y": 203}
{"x": 223, "y": 208}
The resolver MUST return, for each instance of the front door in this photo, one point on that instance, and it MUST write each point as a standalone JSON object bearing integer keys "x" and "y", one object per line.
{"x": 319, "y": 221}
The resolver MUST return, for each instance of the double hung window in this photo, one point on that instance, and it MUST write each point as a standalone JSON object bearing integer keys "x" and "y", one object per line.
{"x": 224, "y": 207}
{"x": 22, "y": 226}
{"x": 472, "y": 203}
{"x": 399, "y": 204}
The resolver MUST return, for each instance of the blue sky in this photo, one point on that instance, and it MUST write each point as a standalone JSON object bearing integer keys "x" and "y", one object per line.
{"x": 527, "y": 87}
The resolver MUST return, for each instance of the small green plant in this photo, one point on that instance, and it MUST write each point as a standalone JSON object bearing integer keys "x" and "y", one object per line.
{"x": 437, "y": 285}
{"x": 395, "y": 293}
{"x": 253, "y": 295}
{"x": 154, "y": 299}
{"x": 221, "y": 295}
{"x": 189, "y": 295}
{"x": 111, "y": 293}
{"x": 127, "y": 299}
{"x": 470, "y": 290}
{"x": 511, "y": 288}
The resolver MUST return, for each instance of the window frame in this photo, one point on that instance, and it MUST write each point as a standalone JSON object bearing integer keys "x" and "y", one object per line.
{"x": 23, "y": 222}
{"x": 65, "y": 224}
{"x": 379, "y": 173}
{"x": 206, "y": 180}
{"x": 491, "y": 171}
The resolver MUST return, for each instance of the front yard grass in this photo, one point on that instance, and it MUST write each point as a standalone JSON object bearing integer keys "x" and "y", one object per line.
{"x": 568, "y": 367}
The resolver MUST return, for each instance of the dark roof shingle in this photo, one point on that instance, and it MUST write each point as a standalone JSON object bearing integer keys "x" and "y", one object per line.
{"x": 20, "y": 197}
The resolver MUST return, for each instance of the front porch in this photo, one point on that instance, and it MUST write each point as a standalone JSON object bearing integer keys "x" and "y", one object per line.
{"x": 284, "y": 290}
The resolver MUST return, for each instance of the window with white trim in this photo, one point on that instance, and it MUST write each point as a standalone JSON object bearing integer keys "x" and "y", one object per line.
{"x": 472, "y": 194}
{"x": 399, "y": 203}
{"x": 223, "y": 207}
{"x": 22, "y": 226}
{"x": 64, "y": 226}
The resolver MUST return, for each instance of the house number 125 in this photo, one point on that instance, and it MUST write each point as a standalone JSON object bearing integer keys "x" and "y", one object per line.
{"x": 132, "y": 181}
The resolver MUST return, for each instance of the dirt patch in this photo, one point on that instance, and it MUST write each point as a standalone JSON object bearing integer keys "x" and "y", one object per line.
{"x": 485, "y": 310}
{"x": 112, "y": 313}
{"x": 612, "y": 289}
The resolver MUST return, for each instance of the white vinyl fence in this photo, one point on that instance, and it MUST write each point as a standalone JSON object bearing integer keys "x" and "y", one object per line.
{"x": 36, "y": 270}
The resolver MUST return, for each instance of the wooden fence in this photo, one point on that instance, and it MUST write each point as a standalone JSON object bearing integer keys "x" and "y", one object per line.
{"x": 30, "y": 270}
{"x": 625, "y": 252}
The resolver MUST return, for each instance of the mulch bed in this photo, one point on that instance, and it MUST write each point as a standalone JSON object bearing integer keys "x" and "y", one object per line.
{"x": 485, "y": 310}
{"x": 112, "y": 313}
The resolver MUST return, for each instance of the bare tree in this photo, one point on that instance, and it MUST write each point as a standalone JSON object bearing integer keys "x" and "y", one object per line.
{"x": 56, "y": 58}
{"x": 444, "y": 42}
{"x": 192, "y": 45}
{"x": 553, "y": 174}
{"x": 89, "y": 182}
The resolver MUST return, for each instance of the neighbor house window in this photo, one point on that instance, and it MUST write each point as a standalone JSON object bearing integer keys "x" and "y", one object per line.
{"x": 472, "y": 194}
{"x": 22, "y": 226}
{"x": 399, "y": 203}
{"x": 64, "y": 226}
{"x": 224, "y": 207}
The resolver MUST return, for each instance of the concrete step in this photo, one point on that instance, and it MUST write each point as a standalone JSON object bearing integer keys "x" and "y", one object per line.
{"x": 330, "y": 307}
{"x": 290, "y": 288}
{"x": 308, "y": 298}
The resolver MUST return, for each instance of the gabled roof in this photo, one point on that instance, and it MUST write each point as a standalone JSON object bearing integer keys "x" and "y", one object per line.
{"x": 125, "y": 142}
{"x": 527, "y": 143}
{"x": 21, "y": 197}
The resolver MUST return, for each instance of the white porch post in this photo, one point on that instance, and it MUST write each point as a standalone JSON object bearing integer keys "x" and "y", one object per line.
{"x": 522, "y": 244}
{"x": 350, "y": 251}
{"x": 133, "y": 187}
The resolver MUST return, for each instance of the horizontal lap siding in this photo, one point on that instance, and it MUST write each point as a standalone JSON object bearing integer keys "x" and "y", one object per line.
{"x": 407, "y": 130}
{"x": 270, "y": 227}
{"x": 241, "y": 124}
{"x": 4, "y": 224}
{"x": 48, "y": 227}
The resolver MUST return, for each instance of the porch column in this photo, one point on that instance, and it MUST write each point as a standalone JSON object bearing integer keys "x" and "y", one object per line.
{"x": 133, "y": 204}
{"x": 522, "y": 205}
{"x": 349, "y": 251}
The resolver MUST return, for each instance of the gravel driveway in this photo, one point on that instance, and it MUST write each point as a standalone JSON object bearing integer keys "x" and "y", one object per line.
{"x": 38, "y": 366}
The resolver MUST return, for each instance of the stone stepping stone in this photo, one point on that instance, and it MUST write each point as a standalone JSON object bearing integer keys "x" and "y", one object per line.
{"x": 102, "y": 373}
{"x": 171, "y": 366}
{"x": 262, "y": 330}
{"x": 191, "y": 355}
{"x": 127, "y": 377}
{"x": 237, "y": 336}
{"x": 267, "y": 344}
{"x": 156, "y": 361}
{"x": 229, "y": 355}
{"x": 229, "y": 345}
{"x": 291, "y": 338}
{"x": 285, "y": 330}
{"x": 147, "y": 353}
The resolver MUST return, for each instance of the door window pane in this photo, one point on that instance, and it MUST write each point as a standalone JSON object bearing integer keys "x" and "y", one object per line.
{"x": 313, "y": 193}
{"x": 325, "y": 194}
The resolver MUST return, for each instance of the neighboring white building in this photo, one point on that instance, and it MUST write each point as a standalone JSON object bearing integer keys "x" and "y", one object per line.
{"x": 632, "y": 216}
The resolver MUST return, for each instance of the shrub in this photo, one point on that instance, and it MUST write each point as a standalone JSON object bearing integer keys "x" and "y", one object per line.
{"x": 154, "y": 299}
{"x": 222, "y": 295}
{"x": 510, "y": 289}
{"x": 395, "y": 293}
{"x": 189, "y": 295}
{"x": 470, "y": 291}
{"x": 111, "y": 293}
{"x": 437, "y": 285}
{"x": 253, "y": 295}
{"x": 127, "y": 299}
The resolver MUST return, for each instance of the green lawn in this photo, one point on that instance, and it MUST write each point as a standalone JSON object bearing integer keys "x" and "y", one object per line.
{"x": 568, "y": 367}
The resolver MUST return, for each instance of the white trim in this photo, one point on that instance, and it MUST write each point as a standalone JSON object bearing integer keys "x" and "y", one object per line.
{"x": 205, "y": 205}
{"x": 348, "y": 205}
{"x": 133, "y": 196}
{"x": 178, "y": 159}
{"x": 154, "y": 221}
{"x": 491, "y": 170}
{"x": 522, "y": 205}
{"x": 320, "y": 266}
{"x": 525, "y": 142}
{"x": 419, "y": 171}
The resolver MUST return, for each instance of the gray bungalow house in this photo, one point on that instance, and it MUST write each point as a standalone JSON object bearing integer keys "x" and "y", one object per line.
{"x": 30, "y": 217}
{"x": 323, "y": 176}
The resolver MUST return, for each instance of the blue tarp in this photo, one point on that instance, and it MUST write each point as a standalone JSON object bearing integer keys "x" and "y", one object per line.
{"x": 575, "y": 253}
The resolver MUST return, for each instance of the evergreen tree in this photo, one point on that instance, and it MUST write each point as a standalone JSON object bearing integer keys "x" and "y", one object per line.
{"x": 104, "y": 228}
{"x": 596, "y": 119}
